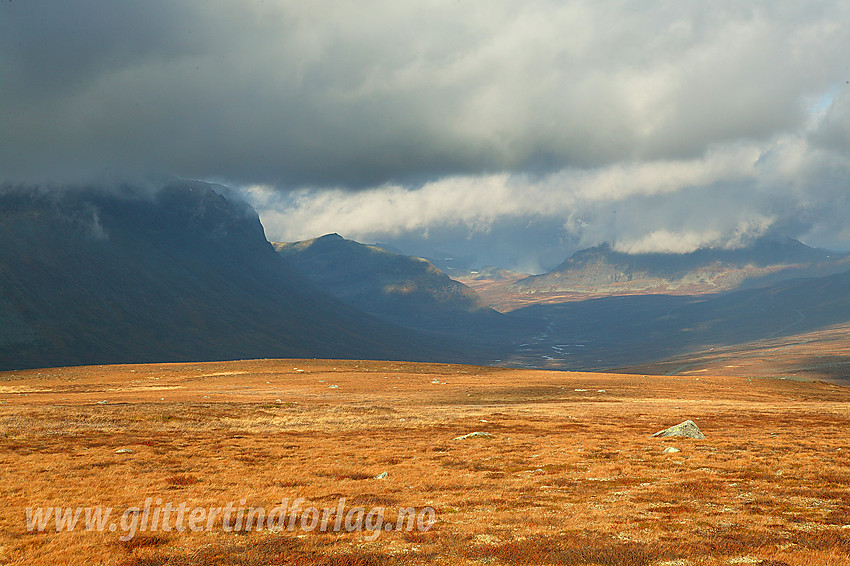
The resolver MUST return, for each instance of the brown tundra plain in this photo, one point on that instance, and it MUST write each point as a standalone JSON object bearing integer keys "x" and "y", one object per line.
{"x": 568, "y": 472}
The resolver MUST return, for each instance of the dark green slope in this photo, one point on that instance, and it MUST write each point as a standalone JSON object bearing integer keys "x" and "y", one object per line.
{"x": 181, "y": 273}
{"x": 622, "y": 331}
{"x": 406, "y": 290}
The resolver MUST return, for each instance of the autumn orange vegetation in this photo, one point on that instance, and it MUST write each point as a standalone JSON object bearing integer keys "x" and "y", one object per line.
{"x": 570, "y": 476}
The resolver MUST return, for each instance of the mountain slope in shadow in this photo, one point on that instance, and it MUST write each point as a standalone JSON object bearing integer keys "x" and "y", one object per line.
{"x": 405, "y": 290}
{"x": 177, "y": 273}
{"x": 627, "y": 330}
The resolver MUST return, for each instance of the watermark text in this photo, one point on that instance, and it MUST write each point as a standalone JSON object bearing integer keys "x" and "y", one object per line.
{"x": 158, "y": 516}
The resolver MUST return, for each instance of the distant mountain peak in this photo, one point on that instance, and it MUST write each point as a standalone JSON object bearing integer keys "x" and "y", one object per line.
{"x": 602, "y": 269}
{"x": 391, "y": 285}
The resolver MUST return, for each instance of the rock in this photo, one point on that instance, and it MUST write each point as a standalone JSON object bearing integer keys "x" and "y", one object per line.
{"x": 381, "y": 476}
{"x": 488, "y": 540}
{"x": 477, "y": 434}
{"x": 670, "y": 450}
{"x": 687, "y": 429}
{"x": 102, "y": 403}
{"x": 124, "y": 451}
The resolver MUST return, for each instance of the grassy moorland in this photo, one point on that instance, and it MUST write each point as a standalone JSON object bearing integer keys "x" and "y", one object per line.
{"x": 822, "y": 354}
{"x": 570, "y": 475}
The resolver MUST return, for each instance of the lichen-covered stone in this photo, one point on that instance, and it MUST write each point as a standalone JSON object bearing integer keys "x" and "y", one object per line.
{"x": 687, "y": 429}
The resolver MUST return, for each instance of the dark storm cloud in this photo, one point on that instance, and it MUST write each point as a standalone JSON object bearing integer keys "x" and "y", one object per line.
{"x": 355, "y": 94}
{"x": 651, "y": 125}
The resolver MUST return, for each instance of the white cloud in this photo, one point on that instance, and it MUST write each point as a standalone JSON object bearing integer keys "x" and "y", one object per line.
{"x": 726, "y": 198}
{"x": 648, "y": 123}
{"x": 685, "y": 240}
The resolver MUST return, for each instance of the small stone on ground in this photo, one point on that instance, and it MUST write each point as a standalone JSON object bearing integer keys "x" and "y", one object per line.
{"x": 477, "y": 434}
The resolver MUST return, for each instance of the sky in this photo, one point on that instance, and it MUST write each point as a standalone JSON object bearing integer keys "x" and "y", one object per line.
{"x": 509, "y": 133}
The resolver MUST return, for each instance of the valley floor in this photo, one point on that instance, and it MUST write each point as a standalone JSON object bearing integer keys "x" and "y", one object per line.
{"x": 817, "y": 355}
{"x": 568, "y": 475}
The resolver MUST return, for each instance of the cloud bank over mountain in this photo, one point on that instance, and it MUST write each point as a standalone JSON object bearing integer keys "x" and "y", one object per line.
{"x": 727, "y": 198}
{"x": 652, "y": 125}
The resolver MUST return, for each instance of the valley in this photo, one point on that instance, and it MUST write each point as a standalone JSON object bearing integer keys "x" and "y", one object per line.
{"x": 547, "y": 283}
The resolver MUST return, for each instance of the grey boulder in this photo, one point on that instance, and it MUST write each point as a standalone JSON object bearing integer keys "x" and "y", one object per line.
{"x": 687, "y": 429}
{"x": 477, "y": 434}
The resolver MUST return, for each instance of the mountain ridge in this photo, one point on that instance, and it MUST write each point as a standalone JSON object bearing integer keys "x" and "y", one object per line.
{"x": 602, "y": 269}
{"x": 180, "y": 273}
{"x": 403, "y": 289}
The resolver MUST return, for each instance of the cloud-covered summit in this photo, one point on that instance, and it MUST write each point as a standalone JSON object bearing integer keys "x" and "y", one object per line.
{"x": 498, "y": 110}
